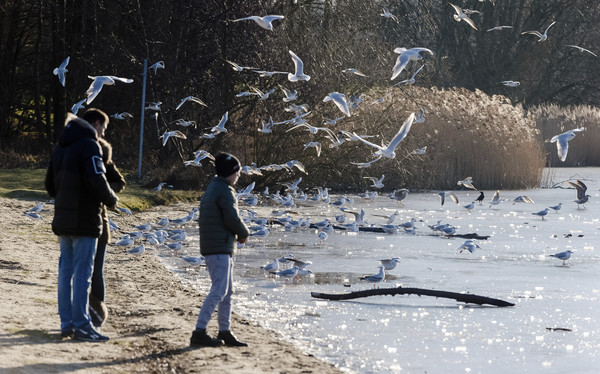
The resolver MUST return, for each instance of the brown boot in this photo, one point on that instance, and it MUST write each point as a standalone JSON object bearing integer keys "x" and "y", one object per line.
{"x": 230, "y": 340}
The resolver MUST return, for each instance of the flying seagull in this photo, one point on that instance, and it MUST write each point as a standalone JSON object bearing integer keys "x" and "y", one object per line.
{"x": 461, "y": 16}
{"x": 561, "y": 140}
{"x": 192, "y": 99}
{"x": 389, "y": 150}
{"x": 61, "y": 70}
{"x": 541, "y": 37}
{"x": 405, "y": 56}
{"x": 99, "y": 81}
{"x": 299, "y": 70}
{"x": 265, "y": 22}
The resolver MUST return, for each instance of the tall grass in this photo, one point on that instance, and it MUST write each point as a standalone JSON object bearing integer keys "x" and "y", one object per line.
{"x": 583, "y": 149}
{"x": 467, "y": 134}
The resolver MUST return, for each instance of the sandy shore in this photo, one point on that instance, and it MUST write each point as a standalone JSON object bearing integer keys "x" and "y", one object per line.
{"x": 152, "y": 314}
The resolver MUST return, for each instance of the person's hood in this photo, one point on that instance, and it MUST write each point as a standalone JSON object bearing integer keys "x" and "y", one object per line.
{"x": 75, "y": 129}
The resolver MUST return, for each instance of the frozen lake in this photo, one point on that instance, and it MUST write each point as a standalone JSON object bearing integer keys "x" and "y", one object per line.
{"x": 411, "y": 334}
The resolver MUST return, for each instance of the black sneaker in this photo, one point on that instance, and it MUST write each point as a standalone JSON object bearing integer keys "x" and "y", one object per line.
{"x": 230, "y": 340}
{"x": 66, "y": 333}
{"x": 200, "y": 338}
{"x": 90, "y": 335}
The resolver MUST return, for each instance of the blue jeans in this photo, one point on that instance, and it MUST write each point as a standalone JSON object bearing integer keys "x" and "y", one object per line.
{"x": 220, "y": 269}
{"x": 74, "y": 278}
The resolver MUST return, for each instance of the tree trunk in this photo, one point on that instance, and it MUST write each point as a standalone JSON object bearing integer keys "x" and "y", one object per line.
{"x": 465, "y": 298}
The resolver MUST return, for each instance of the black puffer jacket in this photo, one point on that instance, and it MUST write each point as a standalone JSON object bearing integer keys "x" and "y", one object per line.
{"x": 76, "y": 180}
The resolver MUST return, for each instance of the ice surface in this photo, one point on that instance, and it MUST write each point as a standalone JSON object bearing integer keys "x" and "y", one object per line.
{"x": 412, "y": 334}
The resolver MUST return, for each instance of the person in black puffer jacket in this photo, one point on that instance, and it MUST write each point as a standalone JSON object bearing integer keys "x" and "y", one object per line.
{"x": 76, "y": 180}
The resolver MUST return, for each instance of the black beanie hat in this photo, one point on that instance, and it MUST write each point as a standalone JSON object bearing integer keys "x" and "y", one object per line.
{"x": 226, "y": 164}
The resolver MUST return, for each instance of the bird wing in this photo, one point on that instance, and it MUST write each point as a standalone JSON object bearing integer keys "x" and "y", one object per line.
{"x": 124, "y": 80}
{"x": 470, "y": 22}
{"x": 401, "y": 63}
{"x": 547, "y": 28}
{"x": 340, "y": 101}
{"x": 95, "y": 88}
{"x": 254, "y": 18}
{"x": 457, "y": 9}
{"x": 64, "y": 64}
{"x": 536, "y": 33}
{"x": 454, "y": 198}
{"x": 358, "y": 137}
{"x": 402, "y": 132}
{"x": 298, "y": 65}
{"x": 562, "y": 145}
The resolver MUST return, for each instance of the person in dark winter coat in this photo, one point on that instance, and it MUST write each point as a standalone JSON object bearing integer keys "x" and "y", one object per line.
{"x": 76, "y": 180}
{"x": 221, "y": 228}
{"x": 98, "y": 309}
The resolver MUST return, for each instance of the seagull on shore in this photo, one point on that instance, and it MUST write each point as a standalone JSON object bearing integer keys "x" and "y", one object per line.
{"x": 390, "y": 263}
{"x": 389, "y": 150}
{"x": 564, "y": 256}
{"x": 36, "y": 209}
{"x": 34, "y": 215}
{"x": 194, "y": 260}
{"x": 339, "y": 100}
{"x": 99, "y": 82}
{"x": 581, "y": 188}
{"x": 581, "y": 49}
{"x": 469, "y": 245}
{"x": 191, "y": 99}
{"x": 561, "y": 140}
{"x": 271, "y": 266}
{"x": 496, "y": 199}
{"x": 541, "y": 213}
{"x": 541, "y": 37}
{"x": 125, "y": 210}
{"x": 124, "y": 241}
{"x": 139, "y": 250}
{"x": 376, "y": 278}
{"x": 298, "y": 70}
{"x": 405, "y": 56}
{"x": 61, "y": 70}
{"x": 462, "y": 16}
{"x": 265, "y": 22}
{"x": 556, "y": 208}
{"x": 287, "y": 273}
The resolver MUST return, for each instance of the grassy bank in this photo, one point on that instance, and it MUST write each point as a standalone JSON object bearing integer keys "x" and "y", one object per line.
{"x": 28, "y": 184}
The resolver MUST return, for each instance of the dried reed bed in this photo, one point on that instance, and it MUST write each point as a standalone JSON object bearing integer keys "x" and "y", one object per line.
{"x": 467, "y": 134}
{"x": 583, "y": 149}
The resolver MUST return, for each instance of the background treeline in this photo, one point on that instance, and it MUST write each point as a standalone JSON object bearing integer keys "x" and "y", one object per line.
{"x": 475, "y": 126}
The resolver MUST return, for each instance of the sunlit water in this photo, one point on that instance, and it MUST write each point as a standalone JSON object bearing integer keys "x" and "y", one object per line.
{"x": 412, "y": 334}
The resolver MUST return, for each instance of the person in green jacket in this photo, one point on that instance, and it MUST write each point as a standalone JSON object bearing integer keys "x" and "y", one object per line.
{"x": 221, "y": 228}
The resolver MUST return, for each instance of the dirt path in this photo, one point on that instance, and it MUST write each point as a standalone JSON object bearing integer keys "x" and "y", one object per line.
{"x": 152, "y": 314}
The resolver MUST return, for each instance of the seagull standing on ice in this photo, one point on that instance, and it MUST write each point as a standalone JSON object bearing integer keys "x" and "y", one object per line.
{"x": 564, "y": 256}
{"x": 541, "y": 213}
{"x": 469, "y": 245}
{"x": 265, "y": 22}
{"x": 376, "y": 278}
{"x": 581, "y": 188}
{"x": 61, "y": 70}
{"x": 390, "y": 263}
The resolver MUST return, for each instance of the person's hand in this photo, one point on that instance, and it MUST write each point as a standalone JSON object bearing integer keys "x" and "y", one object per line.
{"x": 242, "y": 241}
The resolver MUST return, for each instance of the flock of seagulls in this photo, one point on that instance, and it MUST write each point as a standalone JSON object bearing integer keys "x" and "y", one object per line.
{"x": 164, "y": 233}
